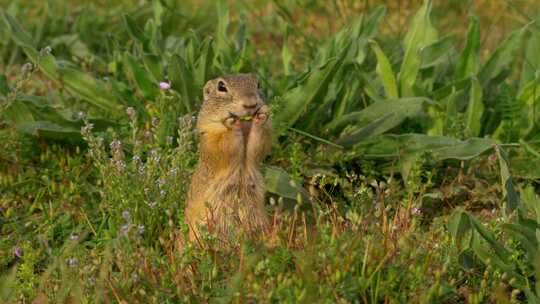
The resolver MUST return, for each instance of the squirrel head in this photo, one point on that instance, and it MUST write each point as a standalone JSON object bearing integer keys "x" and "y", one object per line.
{"x": 231, "y": 95}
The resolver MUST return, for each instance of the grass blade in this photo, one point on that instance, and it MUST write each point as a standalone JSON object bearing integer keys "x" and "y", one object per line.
{"x": 475, "y": 109}
{"x": 469, "y": 61}
{"x": 420, "y": 34}
{"x": 384, "y": 70}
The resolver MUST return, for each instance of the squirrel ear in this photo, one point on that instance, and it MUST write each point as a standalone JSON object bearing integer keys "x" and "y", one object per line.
{"x": 207, "y": 89}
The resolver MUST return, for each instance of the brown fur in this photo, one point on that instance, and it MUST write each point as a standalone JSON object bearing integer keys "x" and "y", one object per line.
{"x": 226, "y": 194}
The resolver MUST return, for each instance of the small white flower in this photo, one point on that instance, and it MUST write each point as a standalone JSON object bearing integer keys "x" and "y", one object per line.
{"x": 160, "y": 182}
{"x": 140, "y": 229}
{"x": 46, "y": 50}
{"x": 87, "y": 128}
{"x": 116, "y": 145}
{"x": 27, "y": 67}
{"x": 131, "y": 112}
{"x": 135, "y": 277}
{"x": 72, "y": 261}
{"x": 125, "y": 229}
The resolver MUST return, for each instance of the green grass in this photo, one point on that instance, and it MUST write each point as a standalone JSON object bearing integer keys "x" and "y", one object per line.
{"x": 404, "y": 169}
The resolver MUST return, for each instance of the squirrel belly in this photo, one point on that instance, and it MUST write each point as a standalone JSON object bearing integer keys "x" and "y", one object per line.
{"x": 229, "y": 201}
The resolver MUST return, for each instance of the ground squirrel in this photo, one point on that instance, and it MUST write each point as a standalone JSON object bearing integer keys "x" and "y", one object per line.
{"x": 226, "y": 193}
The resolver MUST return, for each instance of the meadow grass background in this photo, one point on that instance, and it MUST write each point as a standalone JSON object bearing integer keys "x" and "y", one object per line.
{"x": 405, "y": 163}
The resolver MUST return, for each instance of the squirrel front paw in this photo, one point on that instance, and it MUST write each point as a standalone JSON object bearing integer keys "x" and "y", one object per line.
{"x": 261, "y": 116}
{"x": 231, "y": 122}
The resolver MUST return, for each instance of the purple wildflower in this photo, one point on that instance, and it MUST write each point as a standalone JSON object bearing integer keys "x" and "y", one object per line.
{"x": 164, "y": 85}
{"x": 17, "y": 251}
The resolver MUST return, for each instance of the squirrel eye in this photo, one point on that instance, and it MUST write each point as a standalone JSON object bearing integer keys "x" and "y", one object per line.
{"x": 221, "y": 87}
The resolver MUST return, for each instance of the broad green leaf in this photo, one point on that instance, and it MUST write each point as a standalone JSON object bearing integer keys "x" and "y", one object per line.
{"x": 384, "y": 70}
{"x": 401, "y": 107}
{"x": 8, "y": 280}
{"x": 153, "y": 64}
{"x": 526, "y": 237}
{"x": 35, "y": 115}
{"x": 485, "y": 253}
{"x": 18, "y": 34}
{"x": 90, "y": 89}
{"x": 502, "y": 57}
{"x": 51, "y": 130}
{"x": 277, "y": 181}
{"x": 440, "y": 147}
{"x": 370, "y": 87}
{"x": 421, "y": 34}
{"x": 406, "y": 163}
{"x": 443, "y": 119}
{"x": 469, "y": 61}
{"x": 489, "y": 236}
{"x": 525, "y": 167}
{"x": 528, "y": 100}
{"x": 519, "y": 113}
{"x": 158, "y": 11}
{"x": 475, "y": 109}
{"x": 370, "y": 25}
{"x": 376, "y": 127}
{"x": 510, "y": 195}
{"x": 297, "y": 100}
{"x": 536, "y": 264}
{"x": 4, "y": 87}
{"x": 531, "y": 200}
{"x": 152, "y": 31}
{"x": 350, "y": 93}
{"x": 17, "y": 113}
{"x": 223, "y": 42}
{"x": 181, "y": 81}
{"x": 46, "y": 63}
{"x": 203, "y": 67}
{"x": 445, "y": 91}
{"x": 451, "y": 103}
{"x": 377, "y": 118}
{"x": 134, "y": 30}
{"x": 140, "y": 76}
{"x": 531, "y": 62}
{"x": 437, "y": 52}
{"x": 458, "y": 225}
{"x": 286, "y": 56}
{"x": 73, "y": 42}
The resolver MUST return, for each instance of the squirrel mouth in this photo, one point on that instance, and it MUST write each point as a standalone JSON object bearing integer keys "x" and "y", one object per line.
{"x": 246, "y": 115}
{"x": 245, "y": 119}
